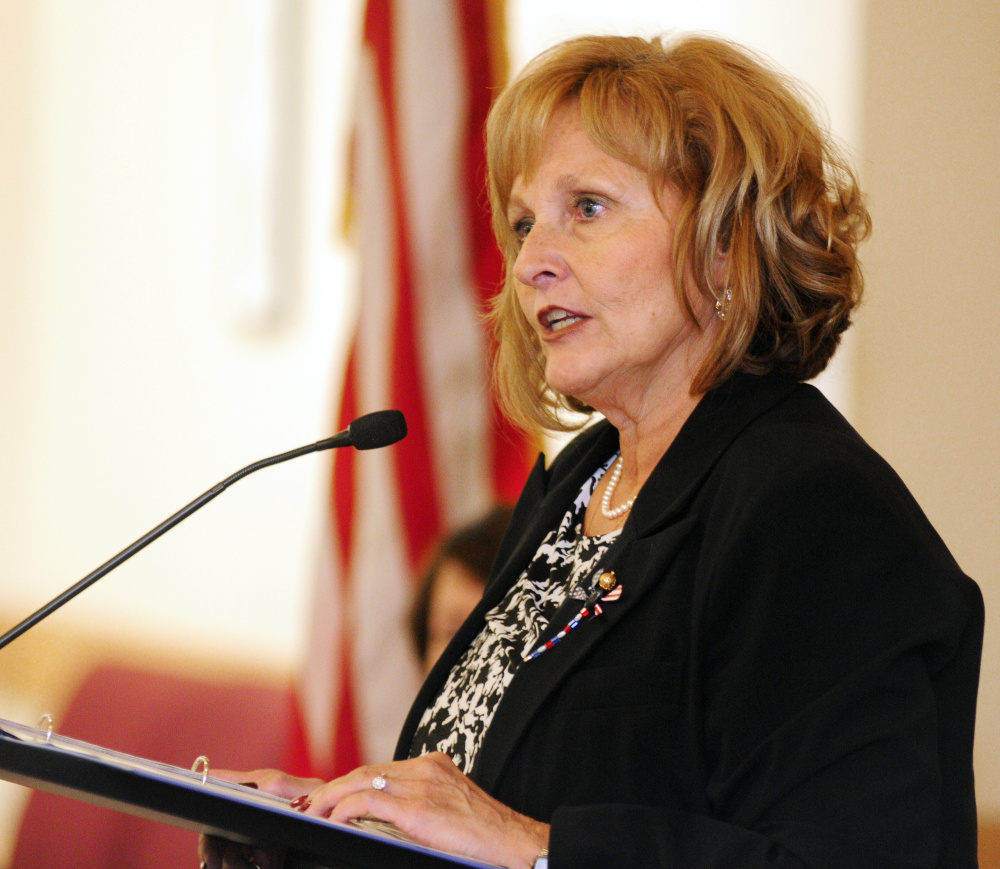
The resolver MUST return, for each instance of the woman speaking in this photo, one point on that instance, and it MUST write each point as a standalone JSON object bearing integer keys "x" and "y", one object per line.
{"x": 719, "y": 631}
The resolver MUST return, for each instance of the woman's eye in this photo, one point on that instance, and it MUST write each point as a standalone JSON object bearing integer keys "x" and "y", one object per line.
{"x": 522, "y": 227}
{"x": 589, "y": 208}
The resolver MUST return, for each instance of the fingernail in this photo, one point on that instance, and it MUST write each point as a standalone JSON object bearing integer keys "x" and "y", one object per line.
{"x": 304, "y": 806}
{"x": 298, "y": 801}
{"x": 249, "y": 784}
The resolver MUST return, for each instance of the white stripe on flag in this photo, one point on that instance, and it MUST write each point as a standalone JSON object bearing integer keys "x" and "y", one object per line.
{"x": 432, "y": 111}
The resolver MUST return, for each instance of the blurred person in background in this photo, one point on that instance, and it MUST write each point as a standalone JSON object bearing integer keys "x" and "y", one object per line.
{"x": 453, "y": 583}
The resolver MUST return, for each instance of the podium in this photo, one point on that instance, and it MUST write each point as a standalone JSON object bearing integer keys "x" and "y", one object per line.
{"x": 194, "y": 800}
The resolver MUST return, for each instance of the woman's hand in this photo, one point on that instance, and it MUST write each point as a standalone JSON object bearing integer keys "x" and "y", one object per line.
{"x": 435, "y": 804}
{"x": 270, "y": 781}
{"x": 218, "y": 853}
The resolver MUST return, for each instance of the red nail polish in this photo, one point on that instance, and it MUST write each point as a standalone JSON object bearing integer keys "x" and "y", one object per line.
{"x": 249, "y": 784}
{"x": 298, "y": 801}
{"x": 304, "y": 806}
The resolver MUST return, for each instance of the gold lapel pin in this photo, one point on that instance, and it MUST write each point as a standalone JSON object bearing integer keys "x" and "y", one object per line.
{"x": 608, "y": 580}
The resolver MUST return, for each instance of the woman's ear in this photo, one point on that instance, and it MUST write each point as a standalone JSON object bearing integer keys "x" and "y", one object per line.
{"x": 720, "y": 268}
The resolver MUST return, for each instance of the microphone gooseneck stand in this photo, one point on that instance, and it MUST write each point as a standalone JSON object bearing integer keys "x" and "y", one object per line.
{"x": 371, "y": 431}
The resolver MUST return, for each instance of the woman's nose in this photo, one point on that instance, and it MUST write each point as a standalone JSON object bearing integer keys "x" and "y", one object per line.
{"x": 540, "y": 260}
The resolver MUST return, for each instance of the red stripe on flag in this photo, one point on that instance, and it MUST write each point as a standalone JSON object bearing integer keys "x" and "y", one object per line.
{"x": 342, "y": 490}
{"x": 298, "y": 759}
{"x": 417, "y": 488}
{"x": 512, "y": 451}
{"x": 414, "y": 463}
{"x": 346, "y": 733}
{"x": 347, "y": 736}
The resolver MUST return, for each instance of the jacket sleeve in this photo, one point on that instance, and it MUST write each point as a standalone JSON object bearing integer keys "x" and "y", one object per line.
{"x": 828, "y": 612}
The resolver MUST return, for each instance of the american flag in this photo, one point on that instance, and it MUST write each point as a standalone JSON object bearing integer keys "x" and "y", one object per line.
{"x": 428, "y": 262}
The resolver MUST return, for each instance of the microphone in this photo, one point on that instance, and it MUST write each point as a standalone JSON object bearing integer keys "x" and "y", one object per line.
{"x": 369, "y": 432}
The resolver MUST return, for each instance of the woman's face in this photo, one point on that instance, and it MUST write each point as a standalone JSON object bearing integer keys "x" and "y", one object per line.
{"x": 594, "y": 275}
{"x": 455, "y": 592}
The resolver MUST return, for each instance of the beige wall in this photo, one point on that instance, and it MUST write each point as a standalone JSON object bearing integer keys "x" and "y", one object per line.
{"x": 127, "y": 385}
{"x": 18, "y": 135}
{"x": 928, "y": 339}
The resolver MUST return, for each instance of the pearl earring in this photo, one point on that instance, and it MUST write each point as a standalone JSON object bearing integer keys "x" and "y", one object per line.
{"x": 722, "y": 305}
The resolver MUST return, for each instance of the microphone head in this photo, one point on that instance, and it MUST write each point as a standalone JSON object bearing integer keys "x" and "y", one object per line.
{"x": 379, "y": 429}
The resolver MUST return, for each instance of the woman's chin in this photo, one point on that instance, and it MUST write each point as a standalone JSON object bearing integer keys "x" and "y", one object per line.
{"x": 580, "y": 388}
{"x": 573, "y": 370}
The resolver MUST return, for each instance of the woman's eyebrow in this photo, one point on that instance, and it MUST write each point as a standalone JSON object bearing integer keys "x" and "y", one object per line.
{"x": 567, "y": 183}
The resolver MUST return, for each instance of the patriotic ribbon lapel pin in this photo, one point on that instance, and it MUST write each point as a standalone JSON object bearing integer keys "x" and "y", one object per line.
{"x": 608, "y": 583}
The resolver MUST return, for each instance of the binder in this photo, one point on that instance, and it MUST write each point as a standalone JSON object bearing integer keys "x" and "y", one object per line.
{"x": 193, "y": 799}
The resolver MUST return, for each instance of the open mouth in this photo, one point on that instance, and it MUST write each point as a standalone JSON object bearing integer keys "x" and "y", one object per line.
{"x": 556, "y": 319}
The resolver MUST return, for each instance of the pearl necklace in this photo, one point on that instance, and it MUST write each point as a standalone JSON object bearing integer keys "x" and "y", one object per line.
{"x": 606, "y": 510}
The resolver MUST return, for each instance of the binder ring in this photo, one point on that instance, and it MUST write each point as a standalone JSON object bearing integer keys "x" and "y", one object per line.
{"x": 201, "y": 761}
{"x": 45, "y": 723}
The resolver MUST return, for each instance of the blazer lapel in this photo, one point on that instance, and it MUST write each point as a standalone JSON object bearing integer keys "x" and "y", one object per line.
{"x": 717, "y": 421}
{"x": 572, "y": 467}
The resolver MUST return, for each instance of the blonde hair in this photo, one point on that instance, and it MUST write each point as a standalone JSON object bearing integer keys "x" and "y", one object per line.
{"x": 758, "y": 178}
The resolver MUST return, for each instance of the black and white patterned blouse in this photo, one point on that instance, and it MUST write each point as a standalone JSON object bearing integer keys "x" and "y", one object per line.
{"x": 562, "y": 567}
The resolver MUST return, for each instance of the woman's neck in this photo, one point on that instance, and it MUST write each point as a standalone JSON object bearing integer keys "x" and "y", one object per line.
{"x": 644, "y": 440}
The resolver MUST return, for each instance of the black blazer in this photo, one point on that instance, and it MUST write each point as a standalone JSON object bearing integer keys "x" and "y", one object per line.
{"x": 787, "y": 680}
